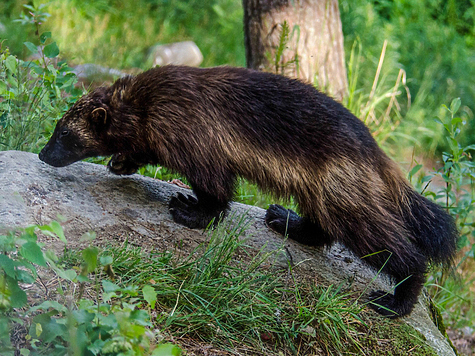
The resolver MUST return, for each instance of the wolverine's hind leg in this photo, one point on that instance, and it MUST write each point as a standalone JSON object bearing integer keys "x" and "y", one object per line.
{"x": 408, "y": 288}
{"x": 401, "y": 302}
{"x": 288, "y": 223}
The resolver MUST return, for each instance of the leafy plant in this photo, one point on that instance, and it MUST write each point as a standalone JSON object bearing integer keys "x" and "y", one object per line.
{"x": 285, "y": 37}
{"x": 115, "y": 326}
{"x": 210, "y": 295}
{"x": 19, "y": 256}
{"x": 33, "y": 94}
{"x": 453, "y": 185}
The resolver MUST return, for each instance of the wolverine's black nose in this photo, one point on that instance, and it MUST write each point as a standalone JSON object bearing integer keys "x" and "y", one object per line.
{"x": 43, "y": 155}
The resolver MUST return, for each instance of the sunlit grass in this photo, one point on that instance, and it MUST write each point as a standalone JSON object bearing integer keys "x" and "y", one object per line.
{"x": 216, "y": 296}
{"x": 120, "y": 34}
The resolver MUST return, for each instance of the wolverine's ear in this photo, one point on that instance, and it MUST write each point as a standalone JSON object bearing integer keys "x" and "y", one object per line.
{"x": 100, "y": 115}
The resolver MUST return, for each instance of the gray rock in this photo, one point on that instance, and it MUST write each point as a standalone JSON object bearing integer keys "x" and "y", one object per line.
{"x": 89, "y": 198}
{"x": 178, "y": 53}
{"x": 91, "y": 73}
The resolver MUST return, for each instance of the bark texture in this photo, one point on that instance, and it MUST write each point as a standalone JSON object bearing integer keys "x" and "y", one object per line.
{"x": 313, "y": 51}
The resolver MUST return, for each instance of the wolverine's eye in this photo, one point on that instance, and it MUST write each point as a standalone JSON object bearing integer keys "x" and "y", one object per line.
{"x": 64, "y": 132}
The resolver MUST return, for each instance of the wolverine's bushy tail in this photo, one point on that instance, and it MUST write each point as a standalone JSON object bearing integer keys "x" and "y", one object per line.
{"x": 432, "y": 227}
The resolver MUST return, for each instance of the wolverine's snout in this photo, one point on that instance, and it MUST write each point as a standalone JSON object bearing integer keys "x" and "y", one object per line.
{"x": 56, "y": 155}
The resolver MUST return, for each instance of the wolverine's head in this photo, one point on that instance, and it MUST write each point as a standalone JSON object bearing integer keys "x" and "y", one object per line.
{"x": 81, "y": 132}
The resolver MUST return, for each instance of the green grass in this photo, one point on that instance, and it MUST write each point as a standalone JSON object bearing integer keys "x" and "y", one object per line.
{"x": 222, "y": 293}
{"x": 213, "y": 296}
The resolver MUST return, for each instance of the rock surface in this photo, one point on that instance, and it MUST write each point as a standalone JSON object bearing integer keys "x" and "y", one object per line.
{"x": 89, "y": 198}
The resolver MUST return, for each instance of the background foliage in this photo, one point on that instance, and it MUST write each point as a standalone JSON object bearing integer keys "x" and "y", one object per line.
{"x": 431, "y": 40}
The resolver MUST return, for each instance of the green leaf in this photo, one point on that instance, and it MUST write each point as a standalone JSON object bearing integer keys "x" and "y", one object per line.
{"x": 69, "y": 274}
{"x": 38, "y": 329}
{"x": 88, "y": 236}
{"x": 7, "y": 265}
{"x": 58, "y": 230}
{"x": 454, "y": 145}
{"x": 439, "y": 121}
{"x": 90, "y": 258}
{"x": 109, "y": 286}
{"x": 446, "y": 127}
{"x": 109, "y": 320}
{"x": 96, "y": 347}
{"x": 107, "y": 296}
{"x": 3, "y": 87}
{"x": 29, "y": 234}
{"x": 471, "y": 147}
{"x": 51, "y": 326}
{"x": 54, "y": 229}
{"x": 11, "y": 63}
{"x": 29, "y": 7}
{"x": 17, "y": 295}
{"x": 455, "y": 105}
{"x": 426, "y": 179}
{"x": 51, "y": 50}
{"x": 106, "y": 260}
{"x": 49, "y": 304}
{"x": 83, "y": 316}
{"x": 31, "y": 47}
{"x": 150, "y": 295}
{"x": 44, "y": 36}
{"x": 32, "y": 252}
{"x": 167, "y": 350}
{"x": 50, "y": 255}
{"x": 83, "y": 279}
{"x": 414, "y": 170}
{"x": 25, "y": 277}
{"x": 456, "y": 120}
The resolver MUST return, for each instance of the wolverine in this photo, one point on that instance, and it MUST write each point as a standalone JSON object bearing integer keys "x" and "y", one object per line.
{"x": 213, "y": 125}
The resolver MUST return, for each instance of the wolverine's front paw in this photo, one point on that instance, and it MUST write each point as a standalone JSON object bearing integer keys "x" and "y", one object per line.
{"x": 122, "y": 165}
{"x": 186, "y": 211}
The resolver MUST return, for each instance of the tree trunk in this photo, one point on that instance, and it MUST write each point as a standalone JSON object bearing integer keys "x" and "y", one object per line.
{"x": 297, "y": 38}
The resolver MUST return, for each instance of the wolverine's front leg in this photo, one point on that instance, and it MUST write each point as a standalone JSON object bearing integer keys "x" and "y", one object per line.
{"x": 197, "y": 212}
{"x": 124, "y": 165}
{"x": 213, "y": 194}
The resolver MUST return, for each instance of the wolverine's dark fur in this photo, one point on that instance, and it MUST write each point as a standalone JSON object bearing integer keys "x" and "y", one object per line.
{"x": 212, "y": 125}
